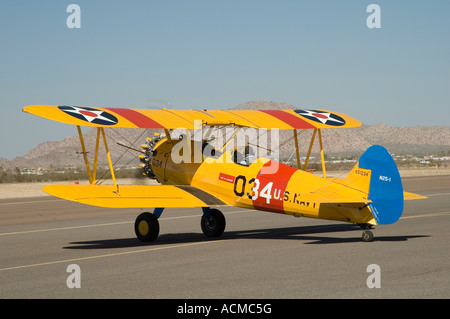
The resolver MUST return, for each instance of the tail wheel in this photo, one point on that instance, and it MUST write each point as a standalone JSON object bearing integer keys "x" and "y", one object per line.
{"x": 146, "y": 227}
{"x": 367, "y": 236}
{"x": 214, "y": 224}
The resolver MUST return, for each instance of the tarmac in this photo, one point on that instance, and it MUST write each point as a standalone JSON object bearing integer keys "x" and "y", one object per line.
{"x": 260, "y": 255}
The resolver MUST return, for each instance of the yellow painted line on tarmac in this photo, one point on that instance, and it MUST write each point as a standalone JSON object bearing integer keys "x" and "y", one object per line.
{"x": 151, "y": 248}
{"x": 112, "y": 255}
{"x": 62, "y": 228}
{"x": 105, "y": 224}
{"x": 442, "y": 194}
{"x": 33, "y": 202}
{"x": 426, "y": 215}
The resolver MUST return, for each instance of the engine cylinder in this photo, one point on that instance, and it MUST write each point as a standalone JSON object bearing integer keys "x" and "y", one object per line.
{"x": 171, "y": 161}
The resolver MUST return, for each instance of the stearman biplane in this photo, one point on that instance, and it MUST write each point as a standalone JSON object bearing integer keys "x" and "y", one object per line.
{"x": 229, "y": 174}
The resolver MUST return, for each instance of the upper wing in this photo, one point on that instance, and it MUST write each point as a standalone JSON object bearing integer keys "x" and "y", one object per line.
{"x": 172, "y": 119}
{"x": 134, "y": 196}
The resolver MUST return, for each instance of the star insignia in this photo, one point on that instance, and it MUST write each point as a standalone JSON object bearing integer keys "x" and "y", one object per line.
{"x": 326, "y": 118}
{"x": 90, "y": 115}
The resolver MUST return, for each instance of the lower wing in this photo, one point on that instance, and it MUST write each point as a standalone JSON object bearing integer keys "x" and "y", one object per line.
{"x": 135, "y": 196}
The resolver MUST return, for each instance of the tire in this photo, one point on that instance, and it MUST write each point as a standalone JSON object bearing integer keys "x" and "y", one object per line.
{"x": 213, "y": 225}
{"x": 146, "y": 227}
{"x": 367, "y": 236}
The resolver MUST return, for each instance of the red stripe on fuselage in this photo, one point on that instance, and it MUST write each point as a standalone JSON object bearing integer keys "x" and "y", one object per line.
{"x": 288, "y": 118}
{"x": 270, "y": 196}
{"x": 138, "y": 119}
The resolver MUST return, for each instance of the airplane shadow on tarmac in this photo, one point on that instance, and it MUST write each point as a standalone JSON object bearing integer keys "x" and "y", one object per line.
{"x": 308, "y": 234}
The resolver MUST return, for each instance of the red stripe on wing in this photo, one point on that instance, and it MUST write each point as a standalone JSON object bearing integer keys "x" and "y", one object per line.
{"x": 291, "y": 119}
{"x": 138, "y": 119}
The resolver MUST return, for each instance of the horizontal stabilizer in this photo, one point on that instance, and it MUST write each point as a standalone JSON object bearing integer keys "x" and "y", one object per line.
{"x": 412, "y": 196}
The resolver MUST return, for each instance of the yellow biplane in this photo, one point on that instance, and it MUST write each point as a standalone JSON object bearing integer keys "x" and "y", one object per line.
{"x": 207, "y": 172}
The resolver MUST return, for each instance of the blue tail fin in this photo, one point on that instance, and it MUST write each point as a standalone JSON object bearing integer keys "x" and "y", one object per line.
{"x": 386, "y": 190}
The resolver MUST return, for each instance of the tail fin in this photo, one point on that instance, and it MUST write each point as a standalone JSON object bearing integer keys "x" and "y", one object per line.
{"x": 377, "y": 175}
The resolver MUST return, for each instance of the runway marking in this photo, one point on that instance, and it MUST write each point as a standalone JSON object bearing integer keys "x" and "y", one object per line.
{"x": 427, "y": 215}
{"x": 112, "y": 255}
{"x": 442, "y": 194}
{"x": 171, "y": 218}
{"x": 152, "y": 248}
{"x": 105, "y": 224}
{"x": 63, "y": 228}
{"x": 32, "y": 202}
{"x": 148, "y": 249}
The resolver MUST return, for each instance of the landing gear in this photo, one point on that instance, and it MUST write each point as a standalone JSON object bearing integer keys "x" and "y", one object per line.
{"x": 367, "y": 236}
{"x": 213, "y": 222}
{"x": 146, "y": 227}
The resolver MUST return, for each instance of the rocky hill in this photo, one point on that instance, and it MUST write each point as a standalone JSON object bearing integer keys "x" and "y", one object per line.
{"x": 417, "y": 140}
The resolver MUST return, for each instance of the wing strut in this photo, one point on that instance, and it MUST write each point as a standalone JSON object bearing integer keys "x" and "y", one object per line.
{"x": 92, "y": 175}
{"x": 321, "y": 154}
{"x": 310, "y": 148}
{"x": 322, "y": 157}
{"x": 109, "y": 159}
{"x": 297, "y": 151}
{"x": 86, "y": 161}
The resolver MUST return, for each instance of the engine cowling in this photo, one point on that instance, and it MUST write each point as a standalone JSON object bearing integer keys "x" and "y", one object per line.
{"x": 171, "y": 161}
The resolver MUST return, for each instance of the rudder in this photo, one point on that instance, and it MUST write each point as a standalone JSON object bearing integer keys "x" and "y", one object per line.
{"x": 385, "y": 188}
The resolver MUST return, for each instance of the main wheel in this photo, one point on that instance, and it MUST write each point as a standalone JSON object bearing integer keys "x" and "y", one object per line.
{"x": 213, "y": 225}
{"x": 146, "y": 227}
{"x": 367, "y": 236}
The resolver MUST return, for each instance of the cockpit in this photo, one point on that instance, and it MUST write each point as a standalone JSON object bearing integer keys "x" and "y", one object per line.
{"x": 244, "y": 157}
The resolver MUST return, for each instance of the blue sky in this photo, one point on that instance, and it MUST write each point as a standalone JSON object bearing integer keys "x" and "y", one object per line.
{"x": 219, "y": 54}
